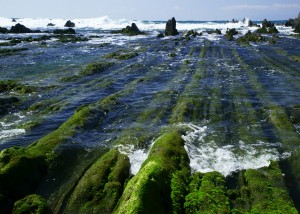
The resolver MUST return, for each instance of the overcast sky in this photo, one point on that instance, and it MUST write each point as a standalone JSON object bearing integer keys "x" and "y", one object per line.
{"x": 151, "y": 10}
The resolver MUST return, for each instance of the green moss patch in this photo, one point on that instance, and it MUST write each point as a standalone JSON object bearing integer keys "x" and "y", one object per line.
{"x": 12, "y": 85}
{"x": 96, "y": 67}
{"x": 100, "y": 188}
{"x": 268, "y": 193}
{"x": 121, "y": 55}
{"x": 207, "y": 194}
{"x": 9, "y": 52}
{"x": 33, "y": 204}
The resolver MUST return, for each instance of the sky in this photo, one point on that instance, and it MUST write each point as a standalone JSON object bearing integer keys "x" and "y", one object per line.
{"x": 152, "y": 10}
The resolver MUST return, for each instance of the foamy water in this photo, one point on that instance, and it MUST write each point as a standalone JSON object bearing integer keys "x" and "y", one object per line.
{"x": 105, "y": 23}
{"x": 208, "y": 156}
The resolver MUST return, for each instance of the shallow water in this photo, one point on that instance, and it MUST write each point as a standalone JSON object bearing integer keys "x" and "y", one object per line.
{"x": 229, "y": 90}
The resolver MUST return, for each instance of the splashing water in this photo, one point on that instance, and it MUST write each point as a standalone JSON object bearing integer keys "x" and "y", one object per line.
{"x": 208, "y": 156}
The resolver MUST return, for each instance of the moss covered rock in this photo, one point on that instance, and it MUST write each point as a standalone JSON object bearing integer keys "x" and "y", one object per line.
{"x": 64, "y": 31}
{"x": 33, "y": 204}
{"x": 250, "y": 37}
{"x": 150, "y": 190}
{"x": 268, "y": 192}
{"x": 99, "y": 189}
{"x": 96, "y": 67}
{"x": 230, "y": 33}
{"x": 207, "y": 194}
{"x": 121, "y": 55}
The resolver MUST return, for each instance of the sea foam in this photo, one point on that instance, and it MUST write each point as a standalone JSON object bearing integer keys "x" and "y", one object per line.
{"x": 208, "y": 156}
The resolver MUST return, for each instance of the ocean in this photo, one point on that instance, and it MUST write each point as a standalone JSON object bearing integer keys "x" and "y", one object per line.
{"x": 237, "y": 107}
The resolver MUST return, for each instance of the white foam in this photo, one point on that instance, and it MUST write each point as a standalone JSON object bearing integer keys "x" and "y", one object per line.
{"x": 208, "y": 156}
{"x": 105, "y": 23}
{"x": 11, "y": 133}
{"x": 136, "y": 157}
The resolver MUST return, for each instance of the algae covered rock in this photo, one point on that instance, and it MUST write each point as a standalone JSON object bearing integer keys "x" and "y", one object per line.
{"x": 230, "y": 33}
{"x": 150, "y": 190}
{"x": 21, "y": 170}
{"x": 207, "y": 194}
{"x": 171, "y": 28}
{"x": 96, "y": 67}
{"x": 132, "y": 30}
{"x": 33, "y": 204}
{"x": 250, "y": 37}
{"x": 69, "y": 24}
{"x": 6, "y": 103}
{"x": 101, "y": 186}
{"x": 268, "y": 191}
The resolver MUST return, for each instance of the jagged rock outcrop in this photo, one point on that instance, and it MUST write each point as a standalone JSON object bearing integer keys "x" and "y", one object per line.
{"x": 230, "y": 33}
{"x": 69, "y": 24}
{"x": 171, "y": 28}
{"x": 50, "y": 24}
{"x": 289, "y": 23}
{"x": 297, "y": 24}
{"x": 64, "y": 31}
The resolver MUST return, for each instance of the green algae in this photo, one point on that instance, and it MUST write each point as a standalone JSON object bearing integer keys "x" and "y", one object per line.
{"x": 207, "y": 194}
{"x": 295, "y": 58}
{"x": 149, "y": 190}
{"x": 121, "y": 55}
{"x": 101, "y": 186}
{"x": 96, "y": 67}
{"x": 268, "y": 192}
{"x": 13, "y": 85}
{"x": 33, "y": 204}
{"x": 9, "y": 52}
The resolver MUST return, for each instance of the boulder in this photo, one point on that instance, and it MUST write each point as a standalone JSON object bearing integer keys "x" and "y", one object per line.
{"x": 132, "y": 30}
{"x": 252, "y": 24}
{"x": 171, "y": 28}
{"x": 250, "y": 37}
{"x": 69, "y": 24}
{"x": 50, "y": 25}
{"x": 18, "y": 28}
{"x": 160, "y": 35}
{"x": 297, "y": 24}
{"x": 13, "y": 20}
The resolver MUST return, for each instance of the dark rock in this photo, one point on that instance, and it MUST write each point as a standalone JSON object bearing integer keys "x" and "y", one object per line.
{"x": 297, "y": 24}
{"x": 265, "y": 30}
{"x": 250, "y": 37}
{"x": 6, "y": 104}
{"x": 132, "y": 30}
{"x": 192, "y": 33}
{"x": 69, "y": 24}
{"x": 3, "y": 30}
{"x": 161, "y": 35}
{"x": 267, "y": 23}
{"x": 66, "y": 31}
{"x": 50, "y": 25}
{"x": 18, "y": 28}
{"x": 216, "y": 31}
{"x": 13, "y": 20}
{"x": 252, "y": 24}
{"x": 290, "y": 23}
{"x": 171, "y": 28}
{"x": 230, "y": 33}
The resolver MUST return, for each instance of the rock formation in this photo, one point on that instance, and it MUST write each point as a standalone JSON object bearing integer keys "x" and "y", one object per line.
{"x": 132, "y": 30}
{"x": 69, "y": 24}
{"x": 297, "y": 24}
{"x": 171, "y": 28}
{"x": 18, "y": 28}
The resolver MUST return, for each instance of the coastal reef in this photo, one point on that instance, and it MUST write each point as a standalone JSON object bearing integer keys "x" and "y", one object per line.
{"x": 205, "y": 120}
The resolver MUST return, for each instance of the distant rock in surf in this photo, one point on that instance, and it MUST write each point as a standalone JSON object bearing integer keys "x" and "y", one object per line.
{"x": 160, "y": 35}
{"x": 50, "y": 25}
{"x": 69, "y": 24}
{"x": 171, "y": 28}
{"x": 64, "y": 31}
{"x": 3, "y": 30}
{"x": 132, "y": 30}
{"x": 230, "y": 33}
{"x": 289, "y": 23}
{"x": 18, "y": 28}
{"x": 267, "y": 28}
{"x": 13, "y": 20}
{"x": 297, "y": 24}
